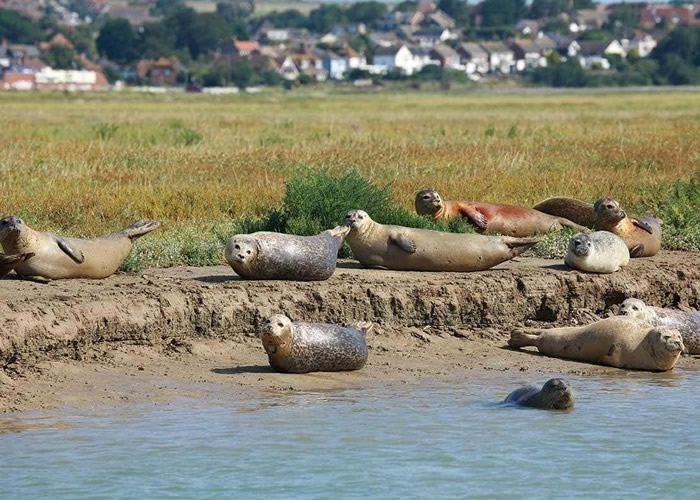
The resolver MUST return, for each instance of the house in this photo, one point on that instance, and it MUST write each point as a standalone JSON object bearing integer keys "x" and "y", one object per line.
{"x": 528, "y": 54}
{"x": 640, "y": 41}
{"x": 430, "y": 37}
{"x": 69, "y": 80}
{"x": 422, "y": 57}
{"x": 239, "y": 47}
{"x": 592, "y": 54}
{"x": 16, "y": 80}
{"x": 57, "y": 39}
{"x": 673, "y": 15}
{"x": 385, "y": 39}
{"x": 448, "y": 57}
{"x": 334, "y": 64}
{"x": 354, "y": 58}
{"x": 473, "y": 57}
{"x": 591, "y": 19}
{"x": 309, "y": 64}
{"x": 397, "y": 57}
{"x": 159, "y": 72}
{"x": 287, "y": 68}
{"x": 439, "y": 19}
{"x": 16, "y": 54}
{"x": 136, "y": 14}
{"x": 528, "y": 26}
{"x": 501, "y": 57}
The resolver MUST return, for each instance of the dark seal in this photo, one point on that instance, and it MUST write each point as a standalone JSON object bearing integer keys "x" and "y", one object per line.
{"x": 277, "y": 256}
{"x": 556, "y": 394}
{"x": 314, "y": 347}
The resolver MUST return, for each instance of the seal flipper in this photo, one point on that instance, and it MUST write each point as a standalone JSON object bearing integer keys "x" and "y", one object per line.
{"x": 138, "y": 229}
{"x": 567, "y": 223}
{"x": 636, "y": 250}
{"x": 521, "y": 337}
{"x": 612, "y": 358}
{"x": 70, "y": 250}
{"x": 643, "y": 225}
{"x": 475, "y": 217}
{"x": 9, "y": 262}
{"x": 364, "y": 327}
{"x": 519, "y": 245}
{"x": 403, "y": 242}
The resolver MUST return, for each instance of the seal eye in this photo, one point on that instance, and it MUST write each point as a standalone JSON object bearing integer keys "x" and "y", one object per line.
{"x": 248, "y": 251}
{"x": 237, "y": 247}
{"x": 360, "y": 217}
{"x": 280, "y": 325}
{"x": 609, "y": 206}
{"x": 634, "y": 308}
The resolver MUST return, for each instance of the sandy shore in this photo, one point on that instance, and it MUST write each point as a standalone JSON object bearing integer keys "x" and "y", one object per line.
{"x": 169, "y": 333}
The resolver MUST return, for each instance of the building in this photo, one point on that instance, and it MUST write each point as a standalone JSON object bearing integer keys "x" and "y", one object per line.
{"x": 501, "y": 57}
{"x": 395, "y": 58}
{"x": 473, "y": 57}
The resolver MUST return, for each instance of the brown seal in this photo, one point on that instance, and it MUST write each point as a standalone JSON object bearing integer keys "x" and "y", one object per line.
{"x": 295, "y": 347}
{"x": 687, "y": 323}
{"x": 580, "y": 212}
{"x": 403, "y": 248}
{"x": 555, "y": 394}
{"x": 489, "y": 218}
{"x": 58, "y": 257}
{"x": 642, "y": 236}
{"x": 277, "y": 256}
{"x": 619, "y": 342}
{"x": 9, "y": 262}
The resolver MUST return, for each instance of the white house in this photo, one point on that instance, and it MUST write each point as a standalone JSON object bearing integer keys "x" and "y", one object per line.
{"x": 640, "y": 41}
{"x": 473, "y": 57}
{"x": 395, "y": 58}
{"x": 501, "y": 57}
{"x": 334, "y": 64}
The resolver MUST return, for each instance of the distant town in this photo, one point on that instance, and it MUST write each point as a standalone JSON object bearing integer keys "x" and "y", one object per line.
{"x": 80, "y": 45}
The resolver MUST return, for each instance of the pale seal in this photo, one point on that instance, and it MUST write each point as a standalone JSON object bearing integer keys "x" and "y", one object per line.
{"x": 404, "y": 248}
{"x": 597, "y": 252}
{"x": 641, "y": 235}
{"x": 687, "y": 323}
{"x": 489, "y": 218}
{"x": 58, "y": 257}
{"x": 619, "y": 342}
{"x": 9, "y": 262}
{"x": 294, "y": 347}
{"x": 277, "y": 256}
{"x": 555, "y": 394}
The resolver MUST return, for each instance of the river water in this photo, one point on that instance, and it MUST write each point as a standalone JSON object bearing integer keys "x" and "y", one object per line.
{"x": 633, "y": 435}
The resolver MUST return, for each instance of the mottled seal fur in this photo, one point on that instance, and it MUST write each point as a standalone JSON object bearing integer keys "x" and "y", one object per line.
{"x": 619, "y": 342}
{"x": 277, "y": 256}
{"x": 489, "y": 218}
{"x": 59, "y": 257}
{"x": 9, "y": 262}
{"x": 295, "y": 347}
{"x": 687, "y": 323}
{"x": 555, "y": 394}
{"x": 404, "y": 248}
{"x": 597, "y": 252}
{"x": 641, "y": 235}
{"x": 580, "y": 212}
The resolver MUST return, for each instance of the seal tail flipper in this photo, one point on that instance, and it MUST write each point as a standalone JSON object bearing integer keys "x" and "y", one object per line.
{"x": 521, "y": 337}
{"x": 364, "y": 327}
{"x": 519, "y": 245}
{"x": 138, "y": 229}
{"x": 9, "y": 262}
{"x": 567, "y": 223}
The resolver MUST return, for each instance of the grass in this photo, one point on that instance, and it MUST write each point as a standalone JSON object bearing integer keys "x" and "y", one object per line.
{"x": 210, "y": 166}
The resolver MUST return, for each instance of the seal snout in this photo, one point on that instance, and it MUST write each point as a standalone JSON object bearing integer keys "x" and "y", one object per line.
{"x": 356, "y": 218}
{"x": 11, "y": 224}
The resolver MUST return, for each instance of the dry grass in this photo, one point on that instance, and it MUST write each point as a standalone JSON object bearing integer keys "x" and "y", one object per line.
{"x": 93, "y": 163}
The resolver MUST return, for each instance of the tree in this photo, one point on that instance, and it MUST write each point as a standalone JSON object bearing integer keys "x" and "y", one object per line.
{"x": 206, "y": 32}
{"x": 290, "y": 18}
{"x": 502, "y": 12}
{"x": 322, "y": 19}
{"x": 235, "y": 10}
{"x": 117, "y": 41}
{"x": 623, "y": 18}
{"x": 365, "y": 12}
{"x": 60, "y": 57}
{"x": 457, "y": 9}
{"x": 583, "y": 4}
{"x": 406, "y": 6}
{"x": 155, "y": 40}
{"x": 678, "y": 56}
{"x": 547, "y": 8}
{"x": 168, "y": 7}
{"x": 83, "y": 38}
{"x": 242, "y": 73}
{"x": 17, "y": 28}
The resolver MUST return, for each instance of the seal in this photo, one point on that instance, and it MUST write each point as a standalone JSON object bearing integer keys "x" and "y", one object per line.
{"x": 642, "y": 236}
{"x": 619, "y": 342}
{"x": 407, "y": 249}
{"x": 555, "y": 394}
{"x": 9, "y": 262}
{"x": 294, "y": 347}
{"x": 580, "y": 212}
{"x": 489, "y": 218}
{"x": 277, "y": 256}
{"x": 597, "y": 252}
{"x": 58, "y": 257}
{"x": 687, "y": 323}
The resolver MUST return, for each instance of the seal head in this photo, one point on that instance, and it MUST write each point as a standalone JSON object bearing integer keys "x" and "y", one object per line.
{"x": 10, "y": 228}
{"x": 581, "y": 245}
{"x": 242, "y": 250}
{"x": 428, "y": 202}
{"x": 608, "y": 209}
{"x": 556, "y": 394}
{"x": 635, "y": 308}
{"x": 276, "y": 334}
{"x": 358, "y": 219}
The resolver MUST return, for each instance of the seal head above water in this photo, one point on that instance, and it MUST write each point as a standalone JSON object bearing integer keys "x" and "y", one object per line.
{"x": 555, "y": 394}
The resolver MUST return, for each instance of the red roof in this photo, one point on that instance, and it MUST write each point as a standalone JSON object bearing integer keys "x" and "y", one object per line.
{"x": 246, "y": 45}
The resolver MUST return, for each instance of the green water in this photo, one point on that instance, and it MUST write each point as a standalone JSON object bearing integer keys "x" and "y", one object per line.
{"x": 630, "y": 436}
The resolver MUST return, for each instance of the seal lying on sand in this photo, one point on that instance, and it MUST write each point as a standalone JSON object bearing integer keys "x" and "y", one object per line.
{"x": 404, "y": 248}
{"x": 9, "y": 262}
{"x": 619, "y": 342}
{"x": 642, "y": 236}
{"x": 687, "y": 323}
{"x": 555, "y": 394}
{"x": 310, "y": 347}
{"x": 58, "y": 257}
{"x": 276, "y": 256}
{"x": 597, "y": 252}
{"x": 580, "y": 212}
{"x": 489, "y": 218}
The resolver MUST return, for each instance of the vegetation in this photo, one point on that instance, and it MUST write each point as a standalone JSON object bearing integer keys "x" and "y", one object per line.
{"x": 210, "y": 166}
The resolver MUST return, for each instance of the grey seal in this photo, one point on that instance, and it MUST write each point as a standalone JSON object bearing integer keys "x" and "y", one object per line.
{"x": 555, "y": 394}
{"x": 597, "y": 252}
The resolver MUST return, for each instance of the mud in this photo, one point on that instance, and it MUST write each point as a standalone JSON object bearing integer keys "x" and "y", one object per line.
{"x": 166, "y": 333}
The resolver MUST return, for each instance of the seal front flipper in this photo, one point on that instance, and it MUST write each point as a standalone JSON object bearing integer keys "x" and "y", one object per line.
{"x": 567, "y": 223}
{"x": 636, "y": 250}
{"x": 475, "y": 217}
{"x": 9, "y": 262}
{"x": 612, "y": 358}
{"x": 364, "y": 327}
{"x": 403, "y": 242}
{"x": 70, "y": 250}
{"x": 643, "y": 225}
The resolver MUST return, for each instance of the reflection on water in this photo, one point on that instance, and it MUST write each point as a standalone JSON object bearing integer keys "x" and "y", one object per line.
{"x": 629, "y": 435}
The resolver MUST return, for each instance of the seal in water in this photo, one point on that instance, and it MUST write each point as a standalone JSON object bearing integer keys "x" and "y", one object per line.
{"x": 642, "y": 236}
{"x": 277, "y": 256}
{"x": 555, "y": 394}
{"x": 489, "y": 218}
{"x": 597, "y": 252}
{"x": 580, "y": 212}
{"x": 403, "y": 248}
{"x": 294, "y": 347}
{"x": 58, "y": 257}
{"x": 619, "y": 342}
{"x": 688, "y": 323}
{"x": 9, "y": 262}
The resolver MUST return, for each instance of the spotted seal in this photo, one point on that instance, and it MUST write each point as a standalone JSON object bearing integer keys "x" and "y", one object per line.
{"x": 641, "y": 235}
{"x": 597, "y": 252}
{"x": 295, "y": 347}
{"x": 688, "y": 323}
{"x": 59, "y": 257}
{"x": 277, "y": 256}
{"x": 408, "y": 249}
{"x": 617, "y": 341}
{"x": 9, "y": 262}
{"x": 489, "y": 218}
{"x": 555, "y": 394}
